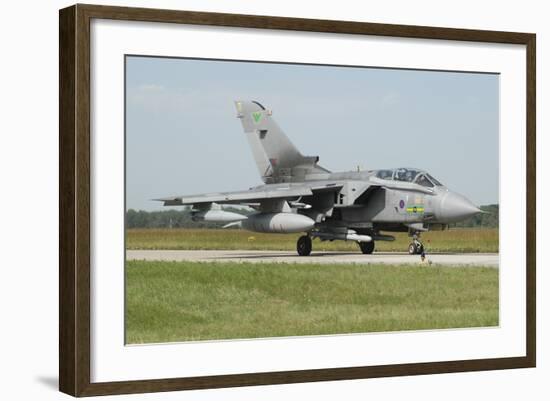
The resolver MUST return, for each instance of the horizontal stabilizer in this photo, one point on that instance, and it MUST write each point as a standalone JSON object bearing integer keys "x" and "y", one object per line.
{"x": 235, "y": 224}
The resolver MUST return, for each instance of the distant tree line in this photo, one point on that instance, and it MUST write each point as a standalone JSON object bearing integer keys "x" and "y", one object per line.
{"x": 182, "y": 219}
{"x": 171, "y": 219}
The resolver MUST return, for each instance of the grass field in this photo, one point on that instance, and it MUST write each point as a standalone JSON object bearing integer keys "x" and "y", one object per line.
{"x": 457, "y": 240}
{"x": 180, "y": 301}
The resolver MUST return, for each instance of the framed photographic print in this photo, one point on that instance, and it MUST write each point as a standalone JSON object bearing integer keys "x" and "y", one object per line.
{"x": 250, "y": 200}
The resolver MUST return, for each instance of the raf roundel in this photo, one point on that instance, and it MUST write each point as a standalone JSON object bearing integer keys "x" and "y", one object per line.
{"x": 401, "y": 203}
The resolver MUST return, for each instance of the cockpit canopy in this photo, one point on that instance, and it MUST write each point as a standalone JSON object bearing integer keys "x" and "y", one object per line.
{"x": 413, "y": 175}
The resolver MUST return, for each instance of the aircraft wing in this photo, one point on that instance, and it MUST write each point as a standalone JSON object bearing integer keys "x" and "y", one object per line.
{"x": 252, "y": 195}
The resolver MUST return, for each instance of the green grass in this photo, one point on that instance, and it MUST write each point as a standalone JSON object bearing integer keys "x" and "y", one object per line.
{"x": 456, "y": 240}
{"x": 181, "y": 301}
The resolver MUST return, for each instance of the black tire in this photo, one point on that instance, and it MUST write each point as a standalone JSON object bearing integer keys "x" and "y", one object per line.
{"x": 367, "y": 247}
{"x": 303, "y": 246}
{"x": 412, "y": 249}
{"x": 420, "y": 249}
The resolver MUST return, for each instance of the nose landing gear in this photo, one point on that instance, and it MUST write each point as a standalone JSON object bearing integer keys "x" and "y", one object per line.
{"x": 416, "y": 247}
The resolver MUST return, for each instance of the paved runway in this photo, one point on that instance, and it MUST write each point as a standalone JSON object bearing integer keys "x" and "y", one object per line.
{"x": 455, "y": 259}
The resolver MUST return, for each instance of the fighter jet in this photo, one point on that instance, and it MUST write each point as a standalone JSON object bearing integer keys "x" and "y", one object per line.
{"x": 300, "y": 196}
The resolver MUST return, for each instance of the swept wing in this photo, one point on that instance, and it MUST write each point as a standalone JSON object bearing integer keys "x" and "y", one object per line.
{"x": 252, "y": 195}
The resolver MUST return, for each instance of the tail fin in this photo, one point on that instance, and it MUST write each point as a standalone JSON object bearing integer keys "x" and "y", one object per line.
{"x": 276, "y": 157}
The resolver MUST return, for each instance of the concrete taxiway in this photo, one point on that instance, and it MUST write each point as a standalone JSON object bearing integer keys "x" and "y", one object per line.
{"x": 441, "y": 259}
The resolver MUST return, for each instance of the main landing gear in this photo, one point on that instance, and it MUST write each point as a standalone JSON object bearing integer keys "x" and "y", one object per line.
{"x": 367, "y": 247}
{"x": 303, "y": 246}
{"x": 416, "y": 247}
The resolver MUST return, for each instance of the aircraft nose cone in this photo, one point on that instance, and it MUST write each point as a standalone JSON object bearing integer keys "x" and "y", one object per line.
{"x": 455, "y": 207}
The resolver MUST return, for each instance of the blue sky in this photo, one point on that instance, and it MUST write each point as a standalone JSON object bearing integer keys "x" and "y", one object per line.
{"x": 183, "y": 137}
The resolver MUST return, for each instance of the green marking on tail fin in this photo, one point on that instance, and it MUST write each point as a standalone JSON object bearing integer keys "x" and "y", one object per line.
{"x": 257, "y": 116}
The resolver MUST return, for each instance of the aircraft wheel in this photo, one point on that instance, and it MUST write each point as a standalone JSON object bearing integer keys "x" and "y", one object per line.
{"x": 367, "y": 247}
{"x": 412, "y": 249}
{"x": 303, "y": 246}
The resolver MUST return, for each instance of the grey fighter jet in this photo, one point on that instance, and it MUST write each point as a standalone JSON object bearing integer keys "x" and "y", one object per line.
{"x": 300, "y": 196}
